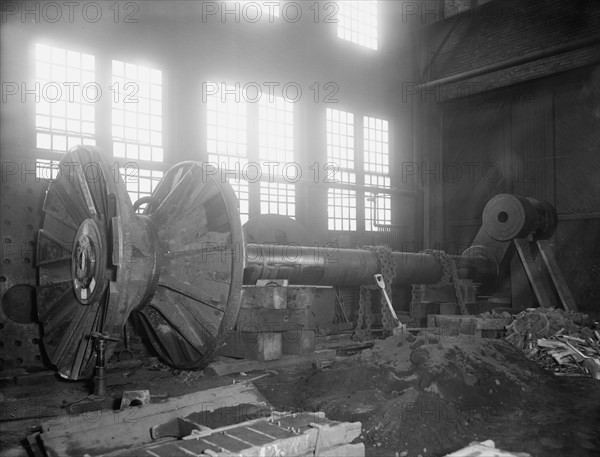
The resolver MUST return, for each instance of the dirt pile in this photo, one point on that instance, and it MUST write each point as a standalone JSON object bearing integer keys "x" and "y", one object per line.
{"x": 430, "y": 395}
{"x": 413, "y": 390}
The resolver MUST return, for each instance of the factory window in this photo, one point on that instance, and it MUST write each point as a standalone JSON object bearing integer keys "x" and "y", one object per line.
{"x": 340, "y": 145}
{"x": 342, "y": 209}
{"x": 227, "y": 135}
{"x": 46, "y": 169}
{"x": 351, "y": 162}
{"x": 275, "y": 151}
{"x": 357, "y": 22}
{"x": 65, "y": 111}
{"x": 341, "y": 203}
{"x": 136, "y": 112}
{"x": 137, "y": 124}
{"x": 378, "y": 202}
{"x": 277, "y": 198}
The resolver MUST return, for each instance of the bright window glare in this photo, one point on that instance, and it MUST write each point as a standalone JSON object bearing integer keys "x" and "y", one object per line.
{"x": 340, "y": 145}
{"x": 276, "y": 130}
{"x": 357, "y": 22}
{"x": 65, "y": 113}
{"x": 137, "y": 112}
{"x": 378, "y": 205}
{"x": 47, "y": 170}
{"x": 341, "y": 203}
{"x": 227, "y": 132}
{"x": 276, "y": 150}
{"x": 342, "y": 209}
{"x": 277, "y": 198}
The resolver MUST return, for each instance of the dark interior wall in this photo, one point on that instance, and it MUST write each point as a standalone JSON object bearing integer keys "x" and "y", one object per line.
{"x": 545, "y": 146}
{"x": 516, "y": 109}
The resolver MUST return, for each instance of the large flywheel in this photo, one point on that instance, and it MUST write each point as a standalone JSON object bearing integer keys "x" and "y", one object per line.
{"x": 201, "y": 263}
{"x": 94, "y": 260}
{"x": 180, "y": 263}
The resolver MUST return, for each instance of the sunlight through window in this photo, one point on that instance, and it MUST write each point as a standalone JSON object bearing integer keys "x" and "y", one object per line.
{"x": 357, "y": 22}
{"x": 137, "y": 112}
{"x": 276, "y": 149}
{"x": 227, "y": 136}
{"x": 65, "y": 112}
{"x": 137, "y": 118}
{"x": 341, "y": 203}
{"x": 378, "y": 203}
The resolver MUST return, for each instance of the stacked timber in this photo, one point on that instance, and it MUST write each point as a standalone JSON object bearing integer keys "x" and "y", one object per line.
{"x": 272, "y": 321}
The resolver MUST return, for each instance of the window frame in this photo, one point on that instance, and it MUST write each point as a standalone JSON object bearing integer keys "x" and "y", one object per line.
{"x": 361, "y": 188}
{"x": 46, "y": 159}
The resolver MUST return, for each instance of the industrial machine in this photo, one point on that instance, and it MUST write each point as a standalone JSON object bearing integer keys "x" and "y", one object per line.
{"x": 181, "y": 264}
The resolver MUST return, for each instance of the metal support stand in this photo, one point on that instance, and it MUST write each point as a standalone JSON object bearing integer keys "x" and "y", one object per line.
{"x": 100, "y": 369}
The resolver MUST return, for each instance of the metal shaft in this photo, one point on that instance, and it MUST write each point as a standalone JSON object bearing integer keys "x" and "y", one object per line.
{"x": 352, "y": 267}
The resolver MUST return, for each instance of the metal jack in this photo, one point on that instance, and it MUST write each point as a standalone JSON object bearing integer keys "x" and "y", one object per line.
{"x": 100, "y": 370}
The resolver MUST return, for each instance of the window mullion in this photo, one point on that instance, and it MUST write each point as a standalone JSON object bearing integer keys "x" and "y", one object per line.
{"x": 249, "y": 172}
{"x": 360, "y": 172}
{"x": 104, "y": 105}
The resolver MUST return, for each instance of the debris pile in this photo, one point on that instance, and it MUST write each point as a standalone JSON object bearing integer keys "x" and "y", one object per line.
{"x": 426, "y": 394}
{"x": 561, "y": 341}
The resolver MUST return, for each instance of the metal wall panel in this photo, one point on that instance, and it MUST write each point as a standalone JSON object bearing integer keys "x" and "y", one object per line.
{"x": 545, "y": 137}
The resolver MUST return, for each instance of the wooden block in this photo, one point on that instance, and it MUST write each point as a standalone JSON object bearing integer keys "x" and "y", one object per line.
{"x": 467, "y": 324}
{"x": 102, "y": 432}
{"x": 298, "y": 341}
{"x": 253, "y": 345}
{"x": 449, "y": 308}
{"x": 268, "y": 297}
{"x": 420, "y": 311}
{"x": 468, "y": 290}
{"x": 445, "y": 293}
{"x": 272, "y": 282}
{"x": 271, "y": 320}
{"x": 346, "y": 450}
{"x": 449, "y": 324}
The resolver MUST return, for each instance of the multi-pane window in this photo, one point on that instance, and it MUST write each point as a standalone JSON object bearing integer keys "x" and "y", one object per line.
{"x": 340, "y": 145}
{"x": 373, "y": 170}
{"x": 136, "y": 112}
{"x": 65, "y": 111}
{"x": 341, "y": 205}
{"x": 47, "y": 170}
{"x": 137, "y": 124}
{"x": 357, "y": 22}
{"x": 378, "y": 202}
{"x": 277, "y": 198}
{"x": 227, "y": 137}
{"x": 275, "y": 151}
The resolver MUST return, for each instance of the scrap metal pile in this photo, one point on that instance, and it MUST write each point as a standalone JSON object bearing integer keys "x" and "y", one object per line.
{"x": 561, "y": 341}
